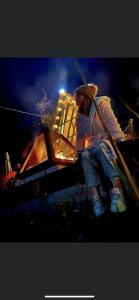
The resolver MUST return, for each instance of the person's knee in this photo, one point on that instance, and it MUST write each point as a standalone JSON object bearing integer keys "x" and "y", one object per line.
{"x": 102, "y": 148}
{"x": 85, "y": 155}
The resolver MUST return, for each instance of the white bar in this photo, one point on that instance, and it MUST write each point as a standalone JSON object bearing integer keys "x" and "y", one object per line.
{"x": 39, "y": 175}
{"x": 70, "y": 297}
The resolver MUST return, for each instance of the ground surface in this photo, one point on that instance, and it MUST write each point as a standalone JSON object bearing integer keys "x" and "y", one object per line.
{"x": 66, "y": 221}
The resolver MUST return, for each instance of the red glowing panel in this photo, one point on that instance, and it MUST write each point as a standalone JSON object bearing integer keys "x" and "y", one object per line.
{"x": 37, "y": 155}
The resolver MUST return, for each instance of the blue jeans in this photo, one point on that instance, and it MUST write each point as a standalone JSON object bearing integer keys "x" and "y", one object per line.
{"x": 92, "y": 158}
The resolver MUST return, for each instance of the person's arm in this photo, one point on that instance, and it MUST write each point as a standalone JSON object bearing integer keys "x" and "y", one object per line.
{"x": 111, "y": 120}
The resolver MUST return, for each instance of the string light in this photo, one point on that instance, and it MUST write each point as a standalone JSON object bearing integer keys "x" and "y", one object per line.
{"x": 59, "y": 108}
{"x": 60, "y": 101}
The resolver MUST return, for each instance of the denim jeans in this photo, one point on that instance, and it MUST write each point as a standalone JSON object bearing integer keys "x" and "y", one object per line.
{"x": 92, "y": 158}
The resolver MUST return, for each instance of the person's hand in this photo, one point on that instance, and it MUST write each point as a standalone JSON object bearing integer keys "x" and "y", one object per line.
{"x": 117, "y": 140}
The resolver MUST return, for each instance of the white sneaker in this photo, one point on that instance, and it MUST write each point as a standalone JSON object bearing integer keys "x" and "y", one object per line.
{"x": 118, "y": 203}
{"x": 98, "y": 205}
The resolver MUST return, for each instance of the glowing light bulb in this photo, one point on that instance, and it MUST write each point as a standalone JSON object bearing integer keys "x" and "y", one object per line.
{"x": 61, "y": 91}
{"x": 60, "y": 101}
{"x": 59, "y": 109}
{"x": 55, "y": 126}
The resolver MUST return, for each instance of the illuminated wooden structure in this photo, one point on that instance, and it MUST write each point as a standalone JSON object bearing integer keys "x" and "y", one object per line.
{"x": 53, "y": 152}
{"x": 65, "y": 119}
{"x": 61, "y": 140}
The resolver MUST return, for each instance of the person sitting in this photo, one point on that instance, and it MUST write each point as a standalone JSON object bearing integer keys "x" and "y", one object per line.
{"x": 95, "y": 148}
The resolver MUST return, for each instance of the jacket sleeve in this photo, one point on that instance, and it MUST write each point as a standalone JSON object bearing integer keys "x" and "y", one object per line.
{"x": 111, "y": 120}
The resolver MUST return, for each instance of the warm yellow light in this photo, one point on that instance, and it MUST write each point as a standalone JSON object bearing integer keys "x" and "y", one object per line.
{"x": 57, "y": 117}
{"x": 60, "y": 101}
{"x": 61, "y": 156}
{"x": 73, "y": 102}
{"x": 55, "y": 126}
{"x": 59, "y": 108}
{"x": 86, "y": 143}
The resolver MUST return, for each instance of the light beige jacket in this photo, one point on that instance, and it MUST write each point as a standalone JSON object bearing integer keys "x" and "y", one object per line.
{"x": 90, "y": 132}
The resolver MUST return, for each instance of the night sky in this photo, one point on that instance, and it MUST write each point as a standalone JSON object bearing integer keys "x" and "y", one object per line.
{"x": 22, "y": 81}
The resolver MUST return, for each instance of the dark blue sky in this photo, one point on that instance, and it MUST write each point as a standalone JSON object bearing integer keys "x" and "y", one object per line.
{"x": 22, "y": 81}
